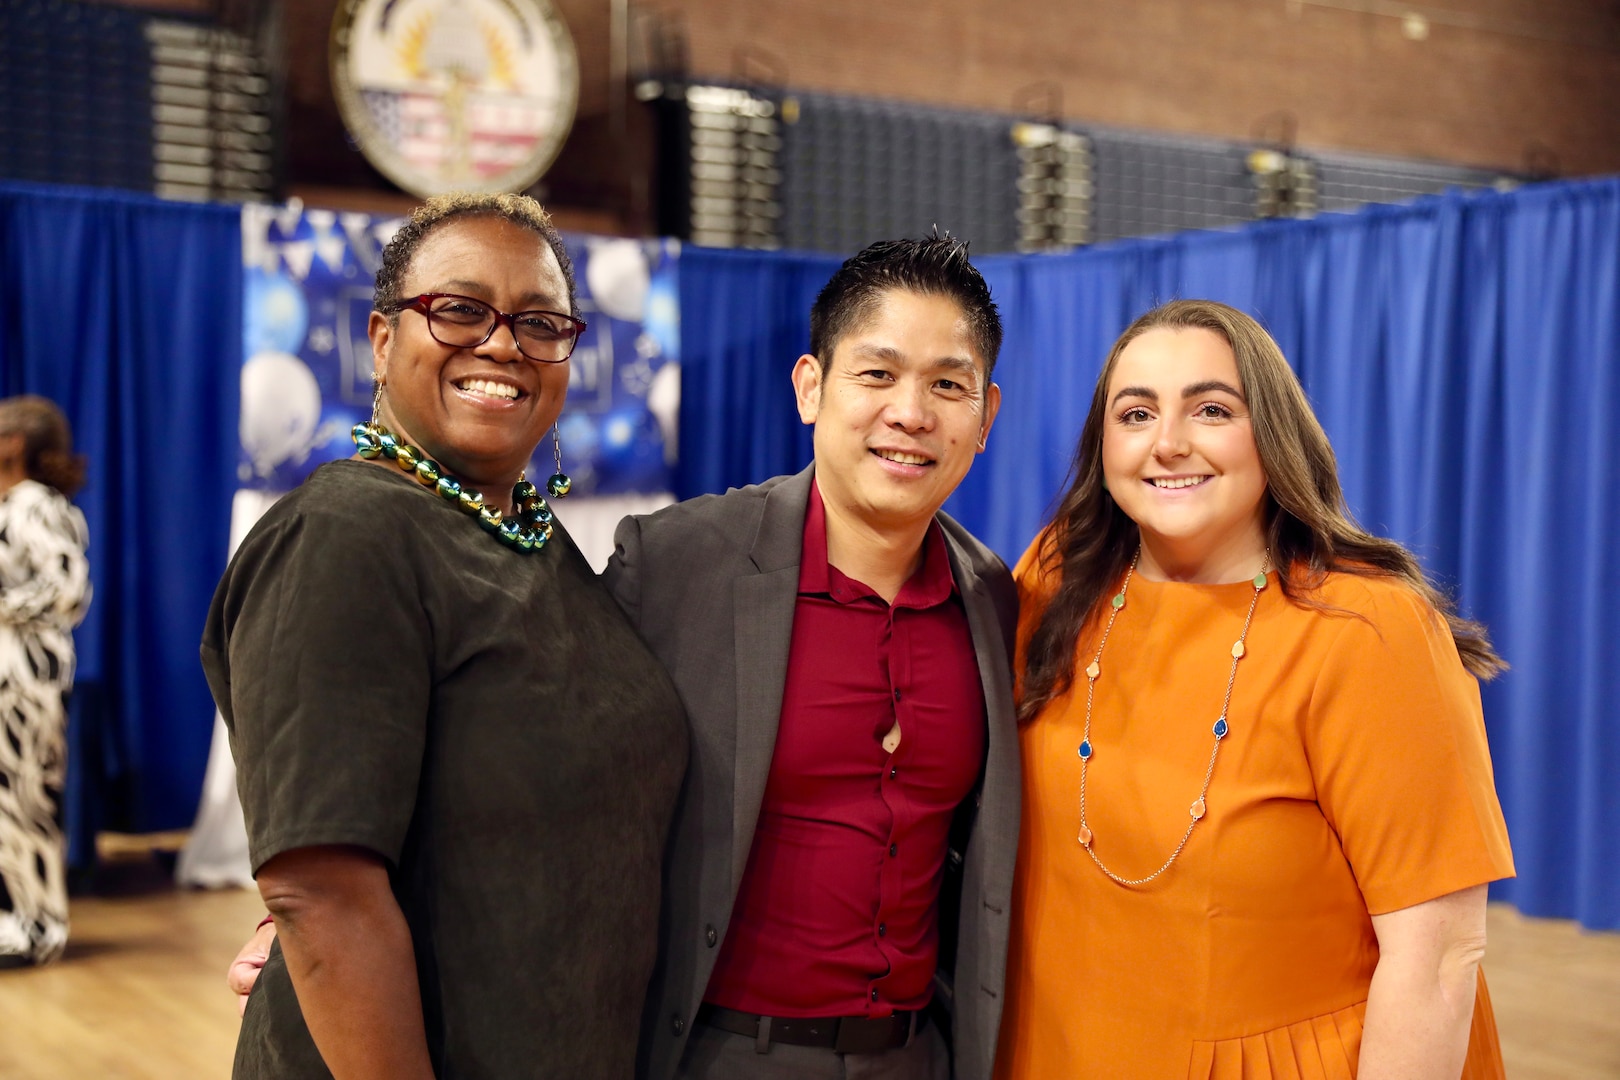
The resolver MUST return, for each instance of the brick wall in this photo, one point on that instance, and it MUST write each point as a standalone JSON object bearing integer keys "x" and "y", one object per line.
{"x": 1490, "y": 79}
{"x": 1526, "y": 71}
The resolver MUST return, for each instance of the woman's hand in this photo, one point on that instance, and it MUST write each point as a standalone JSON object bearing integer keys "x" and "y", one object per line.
{"x": 244, "y": 970}
{"x": 1421, "y": 1004}
{"x": 349, "y": 953}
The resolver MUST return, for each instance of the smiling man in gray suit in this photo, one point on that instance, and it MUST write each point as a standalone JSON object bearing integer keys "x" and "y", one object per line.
{"x": 839, "y": 874}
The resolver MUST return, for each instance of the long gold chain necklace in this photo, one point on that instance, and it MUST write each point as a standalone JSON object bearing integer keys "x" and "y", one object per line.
{"x": 1094, "y": 669}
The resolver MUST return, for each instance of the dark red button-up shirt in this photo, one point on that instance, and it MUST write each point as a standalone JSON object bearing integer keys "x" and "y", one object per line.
{"x": 837, "y": 914}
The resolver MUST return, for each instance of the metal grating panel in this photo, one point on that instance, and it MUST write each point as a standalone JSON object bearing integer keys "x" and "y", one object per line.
{"x": 75, "y": 94}
{"x": 1346, "y": 181}
{"x": 855, "y": 171}
{"x": 1147, "y": 185}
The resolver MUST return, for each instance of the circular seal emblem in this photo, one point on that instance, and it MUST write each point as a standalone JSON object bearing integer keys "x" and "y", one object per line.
{"x": 455, "y": 95}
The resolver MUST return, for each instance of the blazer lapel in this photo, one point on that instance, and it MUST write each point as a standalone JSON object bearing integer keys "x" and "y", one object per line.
{"x": 989, "y": 645}
{"x": 763, "y": 608}
{"x": 999, "y": 795}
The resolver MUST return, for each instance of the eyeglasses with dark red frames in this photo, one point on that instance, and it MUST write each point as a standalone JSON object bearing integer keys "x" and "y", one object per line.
{"x": 465, "y": 322}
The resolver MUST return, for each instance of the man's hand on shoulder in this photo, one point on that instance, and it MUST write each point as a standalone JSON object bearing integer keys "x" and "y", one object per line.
{"x": 622, "y": 575}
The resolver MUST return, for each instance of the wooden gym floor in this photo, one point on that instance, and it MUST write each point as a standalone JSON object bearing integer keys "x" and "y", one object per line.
{"x": 141, "y": 993}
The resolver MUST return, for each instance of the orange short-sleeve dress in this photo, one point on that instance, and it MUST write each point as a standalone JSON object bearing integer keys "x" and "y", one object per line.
{"x": 1354, "y": 780}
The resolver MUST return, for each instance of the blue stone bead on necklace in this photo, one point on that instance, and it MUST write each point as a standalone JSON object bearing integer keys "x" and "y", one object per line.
{"x": 527, "y": 529}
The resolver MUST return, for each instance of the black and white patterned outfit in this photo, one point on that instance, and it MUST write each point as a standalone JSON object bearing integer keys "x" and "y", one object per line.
{"x": 44, "y": 590}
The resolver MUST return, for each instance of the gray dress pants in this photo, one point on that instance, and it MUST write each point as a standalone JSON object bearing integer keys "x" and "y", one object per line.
{"x": 712, "y": 1054}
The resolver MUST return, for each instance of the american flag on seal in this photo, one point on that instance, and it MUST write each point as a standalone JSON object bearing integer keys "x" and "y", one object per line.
{"x": 501, "y": 131}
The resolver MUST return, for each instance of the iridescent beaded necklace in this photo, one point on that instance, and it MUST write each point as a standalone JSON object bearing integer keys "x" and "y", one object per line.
{"x": 526, "y": 530}
{"x": 1094, "y": 669}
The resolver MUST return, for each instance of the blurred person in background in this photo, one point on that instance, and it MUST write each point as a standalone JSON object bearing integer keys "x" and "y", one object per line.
{"x": 1259, "y": 814}
{"x": 44, "y": 591}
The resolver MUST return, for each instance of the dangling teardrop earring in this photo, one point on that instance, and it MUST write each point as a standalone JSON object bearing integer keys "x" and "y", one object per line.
{"x": 559, "y": 485}
{"x": 371, "y": 438}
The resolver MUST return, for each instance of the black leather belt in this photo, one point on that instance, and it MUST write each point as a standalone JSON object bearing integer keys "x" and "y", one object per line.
{"x": 844, "y": 1034}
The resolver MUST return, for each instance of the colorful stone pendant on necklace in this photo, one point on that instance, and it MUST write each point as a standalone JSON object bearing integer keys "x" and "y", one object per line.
{"x": 1199, "y": 807}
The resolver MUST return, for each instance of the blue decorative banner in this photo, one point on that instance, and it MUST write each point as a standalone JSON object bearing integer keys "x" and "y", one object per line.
{"x": 306, "y": 374}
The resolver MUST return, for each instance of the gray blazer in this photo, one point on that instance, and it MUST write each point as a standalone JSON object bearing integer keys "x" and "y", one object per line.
{"x": 711, "y": 585}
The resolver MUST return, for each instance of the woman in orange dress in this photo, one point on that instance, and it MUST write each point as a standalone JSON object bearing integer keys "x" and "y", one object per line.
{"x": 1259, "y": 816}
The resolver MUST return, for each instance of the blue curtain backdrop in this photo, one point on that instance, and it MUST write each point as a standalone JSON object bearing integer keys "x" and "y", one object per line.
{"x": 749, "y": 314}
{"x": 126, "y": 311}
{"x": 1463, "y": 353}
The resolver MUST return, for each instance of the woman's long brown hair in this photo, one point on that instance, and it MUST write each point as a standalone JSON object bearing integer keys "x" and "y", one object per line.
{"x": 1090, "y": 540}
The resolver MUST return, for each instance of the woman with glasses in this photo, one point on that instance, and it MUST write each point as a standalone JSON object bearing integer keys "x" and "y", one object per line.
{"x": 456, "y": 760}
{"x": 44, "y": 589}
{"x": 1258, "y": 810}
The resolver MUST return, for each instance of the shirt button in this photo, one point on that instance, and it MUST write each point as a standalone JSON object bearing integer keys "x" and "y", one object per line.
{"x": 883, "y": 929}
{"x": 897, "y": 695}
{"x": 893, "y": 850}
{"x": 677, "y": 1025}
{"x": 711, "y": 936}
{"x": 874, "y": 995}
{"x": 893, "y": 772}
